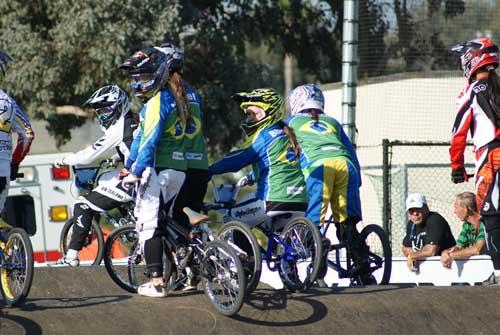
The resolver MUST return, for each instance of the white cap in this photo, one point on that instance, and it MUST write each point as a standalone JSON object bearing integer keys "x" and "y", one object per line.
{"x": 415, "y": 200}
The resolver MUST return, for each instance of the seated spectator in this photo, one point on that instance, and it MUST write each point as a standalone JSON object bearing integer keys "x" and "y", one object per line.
{"x": 471, "y": 240}
{"x": 427, "y": 233}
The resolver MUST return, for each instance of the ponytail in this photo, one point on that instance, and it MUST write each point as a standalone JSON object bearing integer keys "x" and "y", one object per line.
{"x": 314, "y": 115}
{"x": 292, "y": 139}
{"x": 176, "y": 86}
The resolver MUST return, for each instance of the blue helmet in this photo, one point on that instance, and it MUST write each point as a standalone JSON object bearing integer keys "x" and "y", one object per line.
{"x": 4, "y": 60}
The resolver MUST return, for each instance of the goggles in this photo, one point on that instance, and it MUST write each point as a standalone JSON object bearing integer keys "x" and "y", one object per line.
{"x": 141, "y": 82}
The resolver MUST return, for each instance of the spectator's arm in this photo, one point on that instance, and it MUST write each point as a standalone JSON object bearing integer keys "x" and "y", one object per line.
{"x": 465, "y": 253}
{"x": 427, "y": 251}
{"x": 406, "y": 250}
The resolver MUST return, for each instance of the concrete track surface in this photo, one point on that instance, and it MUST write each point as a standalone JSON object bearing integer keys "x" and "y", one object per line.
{"x": 85, "y": 301}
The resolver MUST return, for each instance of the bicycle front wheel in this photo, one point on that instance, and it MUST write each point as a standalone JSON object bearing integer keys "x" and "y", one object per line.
{"x": 239, "y": 236}
{"x": 123, "y": 262}
{"x": 300, "y": 254}
{"x": 16, "y": 267}
{"x": 379, "y": 255}
{"x": 223, "y": 277}
{"x": 93, "y": 246}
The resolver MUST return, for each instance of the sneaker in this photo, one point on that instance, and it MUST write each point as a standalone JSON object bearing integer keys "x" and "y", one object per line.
{"x": 492, "y": 280}
{"x": 150, "y": 290}
{"x": 63, "y": 261}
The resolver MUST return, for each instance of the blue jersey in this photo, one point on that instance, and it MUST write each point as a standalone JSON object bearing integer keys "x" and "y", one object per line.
{"x": 278, "y": 170}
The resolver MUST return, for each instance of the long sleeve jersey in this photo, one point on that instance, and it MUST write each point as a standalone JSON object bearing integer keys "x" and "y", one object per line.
{"x": 278, "y": 170}
{"x": 474, "y": 114}
{"x": 12, "y": 119}
{"x": 119, "y": 135}
{"x": 159, "y": 140}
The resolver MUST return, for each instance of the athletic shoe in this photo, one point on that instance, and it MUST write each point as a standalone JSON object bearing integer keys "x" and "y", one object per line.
{"x": 73, "y": 262}
{"x": 150, "y": 290}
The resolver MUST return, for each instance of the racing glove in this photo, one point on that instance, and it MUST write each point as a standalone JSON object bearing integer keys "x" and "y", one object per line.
{"x": 458, "y": 176}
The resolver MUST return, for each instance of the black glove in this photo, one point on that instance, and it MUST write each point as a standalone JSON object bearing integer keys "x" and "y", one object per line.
{"x": 458, "y": 176}
{"x": 13, "y": 171}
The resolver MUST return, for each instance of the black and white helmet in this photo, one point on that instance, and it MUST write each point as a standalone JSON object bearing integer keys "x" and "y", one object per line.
{"x": 110, "y": 102}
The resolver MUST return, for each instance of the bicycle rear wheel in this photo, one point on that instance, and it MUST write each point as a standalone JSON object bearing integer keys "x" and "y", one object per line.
{"x": 93, "y": 247}
{"x": 239, "y": 236}
{"x": 16, "y": 267}
{"x": 223, "y": 277}
{"x": 379, "y": 255}
{"x": 300, "y": 256}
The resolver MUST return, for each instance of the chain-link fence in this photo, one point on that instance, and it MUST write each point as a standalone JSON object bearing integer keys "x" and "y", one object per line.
{"x": 406, "y": 93}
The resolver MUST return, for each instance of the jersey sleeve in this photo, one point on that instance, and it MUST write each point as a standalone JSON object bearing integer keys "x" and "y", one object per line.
{"x": 461, "y": 126}
{"x": 111, "y": 138}
{"x": 234, "y": 161}
{"x": 155, "y": 118}
{"x": 134, "y": 146}
{"x": 26, "y": 135}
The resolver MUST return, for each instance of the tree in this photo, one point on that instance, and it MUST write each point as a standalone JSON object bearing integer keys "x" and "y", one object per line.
{"x": 64, "y": 50}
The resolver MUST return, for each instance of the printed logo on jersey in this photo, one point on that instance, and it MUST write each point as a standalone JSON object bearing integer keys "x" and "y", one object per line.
{"x": 176, "y": 130}
{"x": 5, "y": 116}
{"x": 479, "y": 88}
{"x": 287, "y": 156}
{"x": 193, "y": 128}
{"x": 318, "y": 127}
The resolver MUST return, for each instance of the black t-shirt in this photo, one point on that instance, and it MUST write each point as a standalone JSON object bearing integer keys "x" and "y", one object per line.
{"x": 434, "y": 230}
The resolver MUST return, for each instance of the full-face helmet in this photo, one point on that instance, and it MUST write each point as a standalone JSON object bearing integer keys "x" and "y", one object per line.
{"x": 4, "y": 61}
{"x": 150, "y": 69}
{"x": 304, "y": 97}
{"x": 476, "y": 54}
{"x": 109, "y": 102}
{"x": 267, "y": 99}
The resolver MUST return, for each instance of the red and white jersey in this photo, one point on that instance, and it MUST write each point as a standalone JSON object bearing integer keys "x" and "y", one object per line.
{"x": 12, "y": 119}
{"x": 474, "y": 114}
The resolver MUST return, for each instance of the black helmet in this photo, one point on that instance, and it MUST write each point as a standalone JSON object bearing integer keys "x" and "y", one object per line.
{"x": 149, "y": 69}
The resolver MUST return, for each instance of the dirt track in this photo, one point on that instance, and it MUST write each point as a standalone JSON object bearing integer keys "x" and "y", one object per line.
{"x": 85, "y": 301}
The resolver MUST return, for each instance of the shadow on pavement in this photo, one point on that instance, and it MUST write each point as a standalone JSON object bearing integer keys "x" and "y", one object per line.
{"x": 75, "y": 302}
{"x": 277, "y": 303}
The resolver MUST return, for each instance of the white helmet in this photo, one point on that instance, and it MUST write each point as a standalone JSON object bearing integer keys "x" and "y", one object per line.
{"x": 308, "y": 96}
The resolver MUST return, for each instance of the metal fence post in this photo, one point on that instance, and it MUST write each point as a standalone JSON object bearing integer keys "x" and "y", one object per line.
{"x": 386, "y": 170}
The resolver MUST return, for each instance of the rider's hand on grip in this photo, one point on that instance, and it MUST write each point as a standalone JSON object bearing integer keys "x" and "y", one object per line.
{"x": 123, "y": 173}
{"x": 246, "y": 180}
{"x": 130, "y": 179}
{"x": 459, "y": 176}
